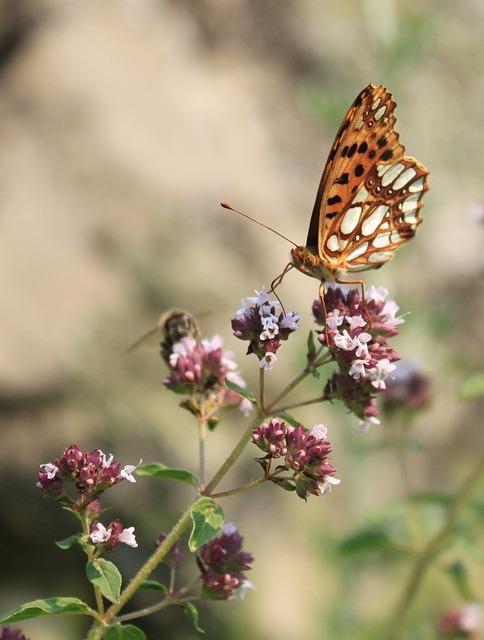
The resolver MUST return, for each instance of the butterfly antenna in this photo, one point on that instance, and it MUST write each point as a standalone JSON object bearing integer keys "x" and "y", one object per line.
{"x": 225, "y": 205}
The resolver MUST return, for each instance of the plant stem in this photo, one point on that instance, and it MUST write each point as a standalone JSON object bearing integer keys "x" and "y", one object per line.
{"x": 97, "y": 631}
{"x": 431, "y": 551}
{"x": 202, "y": 432}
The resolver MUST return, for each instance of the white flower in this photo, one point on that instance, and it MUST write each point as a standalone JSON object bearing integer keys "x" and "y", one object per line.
{"x": 365, "y": 424}
{"x": 246, "y": 407}
{"x": 127, "y": 536}
{"x": 239, "y": 593}
{"x": 381, "y": 371}
{"x": 355, "y": 322}
{"x": 334, "y": 320}
{"x": 267, "y": 361}
{"x": 357, "y": 369}
{"x": 345, "y": 341}
{"x": 50, "y": 470}
{"x": 329, "y": 481}
{"x": 100, "y": 534}
{"x": 376, "y": 295}
{"x": 127, "y": 471}
{"x": 319, "y": 431}
{"x": 290, "y": 321}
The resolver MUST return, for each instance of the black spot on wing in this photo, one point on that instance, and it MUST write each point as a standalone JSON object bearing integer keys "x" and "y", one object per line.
{"x": 343, "y": 179}
{"x": 386, "y": 155}
{"x": 334, "y": 200}
{"x": 382, "y": 142}
{"x": 359, "y": 170}
{"x": 363, "y": 148}
{"x": 331, "y": 215}
{"x": 352, "y": 149}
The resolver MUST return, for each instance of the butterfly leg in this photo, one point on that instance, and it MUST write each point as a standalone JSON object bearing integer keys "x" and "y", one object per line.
{"x": 363, "y": 300}
{"x": 278, "y": 280}
{"x": 325, "y": 313}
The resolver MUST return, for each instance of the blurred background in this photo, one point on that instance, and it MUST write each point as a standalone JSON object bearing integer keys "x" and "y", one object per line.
{"x": 123, "y": 124}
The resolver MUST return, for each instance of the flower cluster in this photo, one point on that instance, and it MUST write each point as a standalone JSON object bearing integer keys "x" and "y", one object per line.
{"x": 110, "y": 537}
{"x": 407, "y": 389}
{"x": 201, "y": 368}
{"x": 224, "y": 562}
{"x": 12, "y": 634}
{"x": 90, "y": 473}
{"x": 357, "y": 333}
{"x": 465, "y": 622}
{"x": 305, "y": 455}
{"x": 264, "y": 326}
{"x": 174, "y": 555}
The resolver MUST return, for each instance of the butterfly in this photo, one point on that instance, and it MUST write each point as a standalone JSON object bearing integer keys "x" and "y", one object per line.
{"x": 369, "y": 197}
{"x": 172, "y": 326}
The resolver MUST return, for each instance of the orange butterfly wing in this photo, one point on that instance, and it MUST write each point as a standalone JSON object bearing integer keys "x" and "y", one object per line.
{"x": 369, "y": 198}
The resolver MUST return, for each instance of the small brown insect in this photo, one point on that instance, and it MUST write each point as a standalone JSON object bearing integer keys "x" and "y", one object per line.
{"x": 172, "y": 326}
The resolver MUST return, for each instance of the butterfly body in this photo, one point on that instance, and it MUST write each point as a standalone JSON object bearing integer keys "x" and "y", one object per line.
{"x": 369, "y": 198}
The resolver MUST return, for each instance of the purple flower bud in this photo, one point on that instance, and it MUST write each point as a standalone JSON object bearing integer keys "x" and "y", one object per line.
{"x": 271, "y": 438}
{"x": 223, "y": 561}
{"x": 12, "y": 634}
{"x": 174, "y": 555}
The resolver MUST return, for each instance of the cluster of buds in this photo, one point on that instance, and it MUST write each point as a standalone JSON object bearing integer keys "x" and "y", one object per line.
{"x": 407, "y": 390}
{"x": 90, "y": 474}
{"x": 200, "y": 368}
{"x": 264, "y": 326}
{"x": 12, "y": 634}
{"x": 223, "y": 562}
{"x": 305, "y": 455}
{"x": 357, "y": 333}
{"x": 465, "y": 622}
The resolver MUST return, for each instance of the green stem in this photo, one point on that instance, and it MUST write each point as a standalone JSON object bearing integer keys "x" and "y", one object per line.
{"x": 296, "y": 405}
{"x": 431, "y": 551}
{"x": 97, "y": 631}
{"x": 244, "y": 487}
{"x": 202, "y": 432}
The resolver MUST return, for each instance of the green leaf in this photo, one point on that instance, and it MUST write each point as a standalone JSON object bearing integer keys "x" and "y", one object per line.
{"x": 311, "y": 346}
{"x": 105, "y": 576}
{"x": 69, "y": 542}
{"x": 242, "y": 391}
{"x": 45, "y": 607}
{"x": 213, "y": 422}
{"x": 158, "y": 470}
{"x": 472, "y": 387}
{"x": 123, "y": 632}
{"x": 208, "y": 519}
{"x": 152, "y": 585}
{"x": 458, "y": 574}
{"x": 192, "y": 612}
{"x": 366, "y": 541}
{"x": 190, "y": 406}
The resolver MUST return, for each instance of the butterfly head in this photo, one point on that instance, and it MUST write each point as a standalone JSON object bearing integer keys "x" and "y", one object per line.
{"x": 308, "y": 261}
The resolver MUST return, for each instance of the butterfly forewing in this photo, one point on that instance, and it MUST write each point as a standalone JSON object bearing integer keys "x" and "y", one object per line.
{"x": 369, "y": 197}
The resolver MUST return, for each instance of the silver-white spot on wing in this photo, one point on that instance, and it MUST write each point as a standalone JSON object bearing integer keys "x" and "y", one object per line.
{"x": 359, "y": 251}
{"x": 405, "y": 177}
{"x": 371, "y": 224}
{"x": 351, "y": 219}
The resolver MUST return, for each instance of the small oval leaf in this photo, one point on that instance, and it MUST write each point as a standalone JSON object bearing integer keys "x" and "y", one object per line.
{"x": 208, "y": 519}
